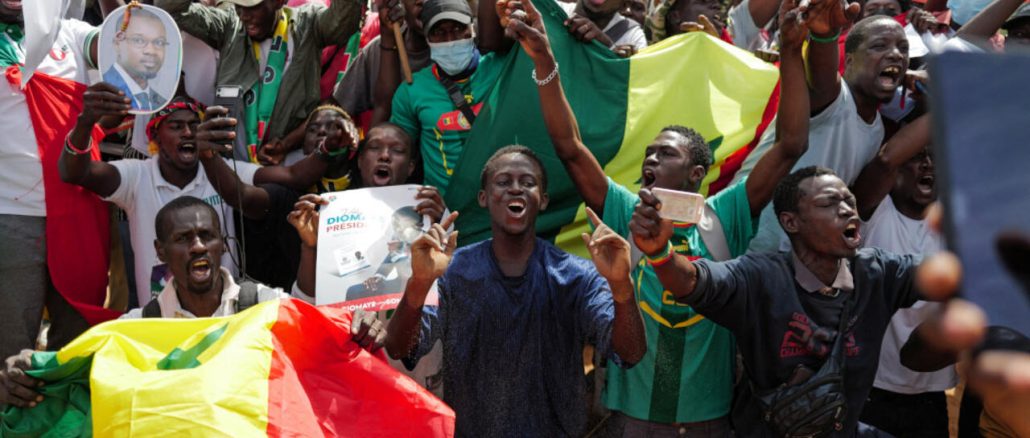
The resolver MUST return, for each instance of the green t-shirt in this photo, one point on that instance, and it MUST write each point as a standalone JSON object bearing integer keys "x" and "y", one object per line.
{"x": 424, "y": 109}
{"x": 687, "y": 373}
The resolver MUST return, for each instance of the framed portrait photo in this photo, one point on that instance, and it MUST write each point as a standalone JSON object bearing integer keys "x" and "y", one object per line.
{"x": 140, "y": 53}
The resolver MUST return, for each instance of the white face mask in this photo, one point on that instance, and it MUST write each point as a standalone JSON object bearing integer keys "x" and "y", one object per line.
{"x": 453, "y": 56}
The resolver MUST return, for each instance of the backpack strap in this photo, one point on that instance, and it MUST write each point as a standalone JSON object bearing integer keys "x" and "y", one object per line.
{"x": 152, "y": 309}
{"x": 248, "y": 296}
{"x": 458, "y": 98}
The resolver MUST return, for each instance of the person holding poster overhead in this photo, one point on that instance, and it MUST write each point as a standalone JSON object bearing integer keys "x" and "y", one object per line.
{"x": 515, "y": 312}
{"x": 139, "y": 52}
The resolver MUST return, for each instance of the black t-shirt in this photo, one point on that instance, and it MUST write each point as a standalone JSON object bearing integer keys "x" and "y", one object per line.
{"x": 756, "y": 297}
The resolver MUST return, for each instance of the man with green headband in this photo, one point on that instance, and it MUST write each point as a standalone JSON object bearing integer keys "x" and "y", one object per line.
{"x": 274, "y": 53}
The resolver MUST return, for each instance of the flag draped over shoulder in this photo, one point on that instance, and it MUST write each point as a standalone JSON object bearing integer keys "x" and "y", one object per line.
{"x": 282, "y": 368}
{"x": 728, "y": 95}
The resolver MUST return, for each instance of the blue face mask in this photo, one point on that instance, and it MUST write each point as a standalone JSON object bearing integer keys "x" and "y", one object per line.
{"x": 453, "y": 56}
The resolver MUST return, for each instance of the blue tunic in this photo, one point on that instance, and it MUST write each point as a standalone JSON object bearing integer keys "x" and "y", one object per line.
{"x": 513, "y": 347}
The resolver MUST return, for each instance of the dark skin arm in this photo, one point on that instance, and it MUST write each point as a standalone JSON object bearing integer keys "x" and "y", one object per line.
{"x": 651, "y": 234}
{"x": 877, "y": 177}
{"x": 99, "y": 100}
{"x": 430, "y": 255}
{"x": 989, "y": 20}
{"x": 825, "y": 18}
{"x": 391, "y": 11}
{"x": 791, "y": 119}
{"x": 491, "y": 30}
{"x": 585, "y": 170}
{"x": 213, "y": 136}
{"x": 307, "y": 171}
{"x": 919, "y": 355}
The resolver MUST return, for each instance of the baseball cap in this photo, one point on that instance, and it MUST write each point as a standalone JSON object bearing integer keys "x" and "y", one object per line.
{"x": 1022, "y": 12}
{"x": 433, "y": 11}
{"x": 244, "y": 3}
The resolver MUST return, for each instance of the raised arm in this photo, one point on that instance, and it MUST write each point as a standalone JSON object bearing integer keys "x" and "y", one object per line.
{"x": 210, "y": 24}
{"x": 562, "y": 127}
{"x": 651, "y": 235}
{"x": 983, "y": 25}
{"x": 76, "y": 164}
{"x": 878, "y": 177}
{"x": 212, "y": 137}
{"x": 338, "y": 22}
{"x": 390, "y": 11}
{"x": 342, "y": 138}
{"x": 825, "y": 19}
{"x": 762, "y": 11}
{"x": 430, "y": 255}
{"x": 792, "y": 117}
{"x": 491, "y": 29}
{"x": 304, "y": 218}
{"x": 611, "y": 256}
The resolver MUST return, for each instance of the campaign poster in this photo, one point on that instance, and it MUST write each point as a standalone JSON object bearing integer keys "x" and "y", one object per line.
{"x": 364, "y": 247}
{"x": 140, "y": 51}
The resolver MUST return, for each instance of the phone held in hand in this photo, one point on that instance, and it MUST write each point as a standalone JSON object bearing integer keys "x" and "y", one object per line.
{"x": 680, "y": 206}
{"x": 229, "y": 96}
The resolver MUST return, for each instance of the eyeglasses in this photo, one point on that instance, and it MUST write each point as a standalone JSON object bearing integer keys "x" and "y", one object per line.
{"x": 140, "y": 42}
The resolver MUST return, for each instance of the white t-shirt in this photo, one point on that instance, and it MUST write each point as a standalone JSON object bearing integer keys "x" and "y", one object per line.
{"x": 838, "y": 139}
{"x": 742, "y": 28}
{"x": 142, "y": 192}
{"x": 199, "y": 62}
{"x": 21, "y": 181}
{"x": 890, "y": 230}
{"x": 634, "y": 36}
{"x": 172, "y": 308}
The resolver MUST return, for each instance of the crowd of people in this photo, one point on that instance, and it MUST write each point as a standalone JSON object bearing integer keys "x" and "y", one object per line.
{"x": 799, "y": 305}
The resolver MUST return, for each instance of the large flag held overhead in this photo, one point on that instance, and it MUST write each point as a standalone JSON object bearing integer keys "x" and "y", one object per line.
{"x": 728, "y": 95}
{"x": 282, "y": 368}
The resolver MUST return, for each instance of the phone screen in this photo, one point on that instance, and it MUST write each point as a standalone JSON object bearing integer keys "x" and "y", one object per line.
{"x": 981, "y": 131}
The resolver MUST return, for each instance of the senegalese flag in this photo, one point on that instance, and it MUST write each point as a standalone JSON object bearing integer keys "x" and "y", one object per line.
{"x": 282, "y": 368}
{"x": 728, "y": 95}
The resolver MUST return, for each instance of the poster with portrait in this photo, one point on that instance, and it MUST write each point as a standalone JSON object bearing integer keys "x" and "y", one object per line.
{"x": 364, "y": 246}
{"x": 140, "y": 53}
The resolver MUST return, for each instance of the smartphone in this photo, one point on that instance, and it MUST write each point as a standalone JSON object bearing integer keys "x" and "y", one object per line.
{"x": 229, "y": 96}
{"x": 982, "y": 158}
{"x": 680, "y": 206}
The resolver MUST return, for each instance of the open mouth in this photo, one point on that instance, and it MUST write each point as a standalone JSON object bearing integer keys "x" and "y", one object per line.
{"x": 925, "y": 183}
{"x": 381, "y": 175}
{"x": 890, "y": 77}
{"x": 187, "y": 151}
{"x": 200, "y": 270}
{"x": 851, "y": 235}
{"x": 517, "y": 207}
{"x": 647, "y": 178}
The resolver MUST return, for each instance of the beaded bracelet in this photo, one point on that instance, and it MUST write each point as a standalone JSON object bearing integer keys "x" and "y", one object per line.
{"x": 73, "y": 150}
{"x": 824, "y": 40}
{"x": 663, "y": 258}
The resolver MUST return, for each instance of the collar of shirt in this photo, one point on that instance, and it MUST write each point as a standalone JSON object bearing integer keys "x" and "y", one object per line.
{"x": 172, "y": 308}
{"x": 160, "y": 181}
{"x": 133, "y": 86}
{"x": 811, "y": 283}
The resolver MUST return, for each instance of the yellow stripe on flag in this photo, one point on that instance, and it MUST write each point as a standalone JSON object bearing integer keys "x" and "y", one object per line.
{"x": 231, "y": 381}
{"x": 693, "y": 80}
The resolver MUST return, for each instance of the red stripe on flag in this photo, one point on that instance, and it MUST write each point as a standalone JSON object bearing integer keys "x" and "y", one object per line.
{"x": 322, "y": 384}
{"x": 77, "y": 228}
{"x": 735, "y": 160}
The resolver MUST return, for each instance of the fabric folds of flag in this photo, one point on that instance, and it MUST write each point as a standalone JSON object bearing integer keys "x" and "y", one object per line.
{"x": 282, "y": 368}
{"x": 728, "y": 95}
